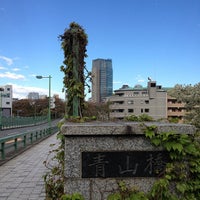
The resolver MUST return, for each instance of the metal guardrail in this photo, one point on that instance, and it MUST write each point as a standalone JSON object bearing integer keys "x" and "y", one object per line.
{"x": 16, "y": 122}
{"x": 11, "y": 144}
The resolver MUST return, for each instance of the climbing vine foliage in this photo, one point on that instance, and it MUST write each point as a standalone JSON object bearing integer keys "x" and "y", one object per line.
{"x": 182, "y": 175}
{"x": 74, "y": 42}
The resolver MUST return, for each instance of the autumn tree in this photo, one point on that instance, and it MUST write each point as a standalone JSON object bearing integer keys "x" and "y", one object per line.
{"x": 37, "y": 107}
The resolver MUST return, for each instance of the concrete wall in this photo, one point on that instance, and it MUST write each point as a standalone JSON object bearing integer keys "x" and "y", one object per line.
{"x": 109, "y": 138}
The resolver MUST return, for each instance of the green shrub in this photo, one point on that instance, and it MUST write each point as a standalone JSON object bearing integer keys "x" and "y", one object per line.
{"x": 125, "y": 193}
{"x": 145, "y": 118}
{"x": 75, "y": 196}
{"x": 140, "y": 118}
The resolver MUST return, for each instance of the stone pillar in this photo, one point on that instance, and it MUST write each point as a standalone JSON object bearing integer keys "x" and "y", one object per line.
{"x": 100, "y": 155}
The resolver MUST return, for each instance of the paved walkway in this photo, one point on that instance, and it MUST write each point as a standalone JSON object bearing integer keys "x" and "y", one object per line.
{"x": 21, "y": 178}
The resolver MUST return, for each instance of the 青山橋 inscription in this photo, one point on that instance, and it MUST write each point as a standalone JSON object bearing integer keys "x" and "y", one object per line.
{"x": 124, "y": 164}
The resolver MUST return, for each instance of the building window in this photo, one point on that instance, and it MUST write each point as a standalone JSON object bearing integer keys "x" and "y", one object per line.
{"x": 8, "y": 103}
{"x": 153, "y": 84}
{"x": 118, "y": 102}
{"x": 147, "y": 101}
{"x": 130, "y": 110}
{"x": 146, "y": 110}
{"x": 142, "y": 110}
{"x": 8, "y": 89}
{"x": 130, "y": 101}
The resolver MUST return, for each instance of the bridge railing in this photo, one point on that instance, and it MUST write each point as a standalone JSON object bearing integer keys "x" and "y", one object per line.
{"x": 11, "y": 145}
{"x": 16, "y": 122}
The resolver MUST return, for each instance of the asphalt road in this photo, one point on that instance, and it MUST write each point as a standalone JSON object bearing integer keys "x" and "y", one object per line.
{"x": 15, "y": 131}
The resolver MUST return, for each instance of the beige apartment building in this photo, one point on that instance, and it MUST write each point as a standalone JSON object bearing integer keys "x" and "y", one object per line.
{"x": 175, "y": 109}
{"x": 151, "y": 100}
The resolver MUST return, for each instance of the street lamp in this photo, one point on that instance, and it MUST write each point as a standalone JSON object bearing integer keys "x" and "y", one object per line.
{"x": 49, "y": 107}
{"x": 1, "y": 90}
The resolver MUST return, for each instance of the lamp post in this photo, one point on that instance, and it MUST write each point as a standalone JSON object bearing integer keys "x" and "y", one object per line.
{"x": 1, "y": 90}
{"x": 49, "y": 107}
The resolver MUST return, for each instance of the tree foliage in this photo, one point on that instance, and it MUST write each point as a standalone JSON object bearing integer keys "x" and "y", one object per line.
{"x": 99, "y": 110}
{"x": 28, "y": 108}
{"x": 191, "y": 96}
{"x": 37, "y": 107}
{"x": 74, "y": 42}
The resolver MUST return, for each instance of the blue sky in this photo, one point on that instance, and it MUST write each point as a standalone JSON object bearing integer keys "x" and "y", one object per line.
{"x": 144, "y": 38}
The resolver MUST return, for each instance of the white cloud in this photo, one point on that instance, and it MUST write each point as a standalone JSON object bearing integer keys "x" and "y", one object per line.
{"x": 21, "y": 92}
{"x": 12, "y": 75}
{"x": 140, "y": 79}
{"x": 26, "y": 67}
{"x": 33, "y": 75}
{"x": 2, "y": 68}
{"x": 8, "y": 61}
{"x": 15, "y": 69}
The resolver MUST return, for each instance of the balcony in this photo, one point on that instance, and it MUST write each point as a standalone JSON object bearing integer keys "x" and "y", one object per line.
{"x": 117, "y": 106}
{"x": 116, "y": 98}
{"x": 176, "y": 113}
{"x": 175, "y": 105}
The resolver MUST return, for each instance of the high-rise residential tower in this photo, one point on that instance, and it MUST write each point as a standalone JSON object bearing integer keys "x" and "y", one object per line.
{"x": 102, "y": 81}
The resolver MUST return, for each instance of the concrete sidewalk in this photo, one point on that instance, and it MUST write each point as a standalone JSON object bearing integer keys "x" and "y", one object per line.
{"x": 22, "y": 177}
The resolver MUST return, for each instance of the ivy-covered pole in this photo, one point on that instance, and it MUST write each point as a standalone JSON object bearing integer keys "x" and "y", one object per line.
{"x": 74, "y": 42}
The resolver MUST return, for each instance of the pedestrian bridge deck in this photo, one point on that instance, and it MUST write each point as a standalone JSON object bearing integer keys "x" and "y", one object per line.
{"x": 22, "y": 177}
